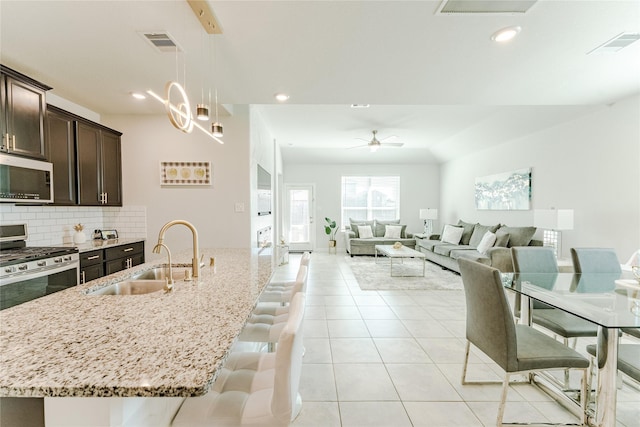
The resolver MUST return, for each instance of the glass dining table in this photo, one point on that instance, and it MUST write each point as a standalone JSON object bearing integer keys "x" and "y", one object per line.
{"x": 611, "y": 301}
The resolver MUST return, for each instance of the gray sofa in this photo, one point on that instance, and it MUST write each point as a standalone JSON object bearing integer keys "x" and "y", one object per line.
{"x": 497, "y": 256}
{"x": 356, "y": 245}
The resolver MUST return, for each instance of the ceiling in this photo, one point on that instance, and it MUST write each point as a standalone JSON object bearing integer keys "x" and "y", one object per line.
{"x": 436, "y": 81}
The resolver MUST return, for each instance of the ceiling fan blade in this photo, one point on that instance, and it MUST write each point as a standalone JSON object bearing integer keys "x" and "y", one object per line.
{"x": 357, "y": 146}
{"x": 393, "y": 144}
{"x": 362, "y": 139}
{"x": 389, "y": 138}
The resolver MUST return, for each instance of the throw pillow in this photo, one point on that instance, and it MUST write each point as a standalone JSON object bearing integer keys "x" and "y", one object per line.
{"x": 365, "y": 232}
{"x": 502, "y": 239}
{"x": 393, "y": 232}
{"x": 518, "y": 236}
{"x": 468, "y": 230}
{"x": 452, "y": 234}
{"x": 479, "y": 231}
{"x": 354, "y": 223}
{"x": 487, "y": 241}
{"x": 379, "y": 228}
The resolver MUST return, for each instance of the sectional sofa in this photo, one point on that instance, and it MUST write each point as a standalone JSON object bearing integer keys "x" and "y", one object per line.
{"x": 474, "y": 243}
{"x": 356, "y": 244}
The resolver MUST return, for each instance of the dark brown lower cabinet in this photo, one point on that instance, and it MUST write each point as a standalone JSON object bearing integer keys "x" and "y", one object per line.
{"x": 102, "y": 262}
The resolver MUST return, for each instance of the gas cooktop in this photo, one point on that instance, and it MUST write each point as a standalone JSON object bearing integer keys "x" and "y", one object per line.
{"x": 18, "y": 255}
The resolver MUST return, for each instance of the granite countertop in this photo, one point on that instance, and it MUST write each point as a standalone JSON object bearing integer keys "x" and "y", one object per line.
{"x": 92, "y": 245}
{"x": 159, "y": 344}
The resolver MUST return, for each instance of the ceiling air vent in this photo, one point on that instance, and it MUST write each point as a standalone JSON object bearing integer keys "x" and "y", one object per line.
{"x": 161, "y": 41}
{"x": 484, "y": 6}
{"x": 620, "y": 41}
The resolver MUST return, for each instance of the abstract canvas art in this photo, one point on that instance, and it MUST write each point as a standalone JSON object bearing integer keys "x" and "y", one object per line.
{"x": 504, "y": 191}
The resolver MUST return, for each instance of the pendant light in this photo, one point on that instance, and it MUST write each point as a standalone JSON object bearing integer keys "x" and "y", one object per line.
{"x": 202, "y": 109}
{"x": 216, "y": 127}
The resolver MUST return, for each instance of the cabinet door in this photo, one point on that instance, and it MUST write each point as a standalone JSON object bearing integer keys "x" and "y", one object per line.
{"x": 25, "y": 119}
{"x": 88, "y": 149}
{"x": 91, "y": 272}
{"x": 137, "y": 259}
{"x": 61, "y": 150}
{"x": 111, "y": 168}
{"x": 115, "y": 265}
{"x": 3, "y": 114}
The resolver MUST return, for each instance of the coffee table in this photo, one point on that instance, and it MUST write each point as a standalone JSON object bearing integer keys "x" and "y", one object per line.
{"x": 402, "y": 252}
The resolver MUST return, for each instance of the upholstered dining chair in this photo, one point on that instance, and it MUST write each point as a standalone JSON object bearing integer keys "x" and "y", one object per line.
{"x": 539, "y": 259}
{"x": 595, "y": 260}
{"x": 254, "y": 388}
{"x": 516, "y": 348}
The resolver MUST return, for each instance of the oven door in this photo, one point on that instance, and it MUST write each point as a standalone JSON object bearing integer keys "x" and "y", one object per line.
{"x": 18, "y": 289}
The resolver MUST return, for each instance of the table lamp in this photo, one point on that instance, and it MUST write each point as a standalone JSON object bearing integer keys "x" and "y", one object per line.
{"x": 428, "y": 215}
{"x": 552, "y": 221}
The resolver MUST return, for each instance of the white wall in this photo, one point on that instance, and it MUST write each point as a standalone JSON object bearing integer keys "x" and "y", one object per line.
{"x": 148, "y": 140}
{"x": 590, "y": 165}
{"x": 419, "y": 188}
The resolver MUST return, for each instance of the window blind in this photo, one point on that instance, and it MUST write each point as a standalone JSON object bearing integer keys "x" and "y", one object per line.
{"x": 369, "y": 197}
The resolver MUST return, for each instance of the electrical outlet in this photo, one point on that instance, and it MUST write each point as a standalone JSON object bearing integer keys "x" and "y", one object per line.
{"x": 239, "y": 207}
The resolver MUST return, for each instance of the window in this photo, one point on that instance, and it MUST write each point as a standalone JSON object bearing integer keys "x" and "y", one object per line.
{"x": 369, "y": 197}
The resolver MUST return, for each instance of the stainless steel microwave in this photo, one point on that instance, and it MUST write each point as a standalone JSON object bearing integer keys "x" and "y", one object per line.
{"x": 25, "y": 180}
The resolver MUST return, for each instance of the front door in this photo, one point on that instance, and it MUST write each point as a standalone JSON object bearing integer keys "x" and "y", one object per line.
{"x": 299, "y": 217}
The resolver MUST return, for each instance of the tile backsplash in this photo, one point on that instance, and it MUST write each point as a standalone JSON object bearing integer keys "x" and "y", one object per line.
{"x": 53, "y": 225}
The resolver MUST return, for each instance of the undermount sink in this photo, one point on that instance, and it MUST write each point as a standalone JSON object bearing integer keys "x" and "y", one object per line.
{"x": 160, "y": 273}
{"x": 131, "y": 287}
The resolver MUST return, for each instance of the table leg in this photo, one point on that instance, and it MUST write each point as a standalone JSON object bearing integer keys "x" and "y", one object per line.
{"x": 525, "y": 310}
{"x": 607, "y": 360}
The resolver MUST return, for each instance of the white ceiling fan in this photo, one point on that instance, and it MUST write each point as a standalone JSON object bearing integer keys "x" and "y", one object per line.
{"x": 374, "y": 143}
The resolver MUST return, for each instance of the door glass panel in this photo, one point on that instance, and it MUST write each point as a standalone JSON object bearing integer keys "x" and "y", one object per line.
{"x": 299, "y": 227}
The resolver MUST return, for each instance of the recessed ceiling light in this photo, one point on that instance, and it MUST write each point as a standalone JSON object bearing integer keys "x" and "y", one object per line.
{"x": 359, "y": 105}
{"x": 281, "y": 97}
{"x": 138, "y": 95}
{"x": 505, "y": 34}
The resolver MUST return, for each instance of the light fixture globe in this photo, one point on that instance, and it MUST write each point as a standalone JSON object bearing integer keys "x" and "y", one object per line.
{"x": 202, "y": 112}
{"x": 216, "y": 130}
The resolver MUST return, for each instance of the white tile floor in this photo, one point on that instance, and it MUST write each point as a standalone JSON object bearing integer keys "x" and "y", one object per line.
{"x": 394, "y": 358}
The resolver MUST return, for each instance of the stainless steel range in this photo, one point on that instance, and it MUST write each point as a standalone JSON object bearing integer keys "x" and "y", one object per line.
{"x": 27, "y": 273}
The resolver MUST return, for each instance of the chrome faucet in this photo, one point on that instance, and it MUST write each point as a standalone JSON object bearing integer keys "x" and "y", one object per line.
{"x": 196, "y": 257}
{"x": 156, "y": 249}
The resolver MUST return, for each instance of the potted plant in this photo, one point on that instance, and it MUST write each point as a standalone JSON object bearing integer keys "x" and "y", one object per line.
{"x": 331, "y": 229}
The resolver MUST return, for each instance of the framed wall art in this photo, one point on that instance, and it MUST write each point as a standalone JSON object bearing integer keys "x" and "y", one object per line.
{"x": 504, "y": 191}
{"x": 185, "y": 173}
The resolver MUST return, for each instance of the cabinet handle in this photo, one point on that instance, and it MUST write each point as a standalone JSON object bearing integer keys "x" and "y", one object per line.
{"x": 127, "y": 250}
{"x": 13, "y": 142}
{"x": 82, "y": 277}
{"x": 93, "y": 257}
{"x": 5, "y": 141}
{"x": 106, "y": 198}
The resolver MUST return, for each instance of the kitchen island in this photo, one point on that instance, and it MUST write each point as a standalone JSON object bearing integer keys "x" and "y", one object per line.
{"x": 72, "y": 344}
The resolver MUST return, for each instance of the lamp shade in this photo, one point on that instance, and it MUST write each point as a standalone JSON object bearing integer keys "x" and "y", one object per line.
{"x": 429, "y": 213}
{"x": 553, "y": 219}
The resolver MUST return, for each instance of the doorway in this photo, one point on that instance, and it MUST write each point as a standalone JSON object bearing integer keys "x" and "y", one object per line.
{"x": 299, "y": 217}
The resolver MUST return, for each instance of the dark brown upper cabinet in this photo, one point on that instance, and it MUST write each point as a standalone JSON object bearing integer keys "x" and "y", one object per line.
{"x": 99, "y": 165}
{"x": 61, "y": 147}
{"x": 23, "y": 105}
